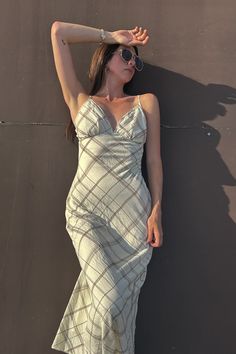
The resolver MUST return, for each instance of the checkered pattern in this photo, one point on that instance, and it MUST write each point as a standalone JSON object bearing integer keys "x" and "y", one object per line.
{"x": 106, "y": 214}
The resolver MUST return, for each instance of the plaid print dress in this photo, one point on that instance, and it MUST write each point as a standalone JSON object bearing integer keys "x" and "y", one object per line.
{"x": 106, "y": 218}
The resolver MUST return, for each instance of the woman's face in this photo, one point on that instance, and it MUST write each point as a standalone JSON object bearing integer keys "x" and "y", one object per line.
{"x": 118, "y": 67}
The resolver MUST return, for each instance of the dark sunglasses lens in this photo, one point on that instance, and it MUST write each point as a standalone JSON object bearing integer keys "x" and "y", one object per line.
{"x": 126, "y": 54}
{"x": 138, "y": 63}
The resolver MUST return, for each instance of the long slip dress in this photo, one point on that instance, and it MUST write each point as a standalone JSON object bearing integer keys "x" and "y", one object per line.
{"x": 106, "y": 218}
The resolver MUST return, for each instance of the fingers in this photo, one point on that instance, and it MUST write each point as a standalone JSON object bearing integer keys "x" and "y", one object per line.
{"x": 152, "y": 242}
{"x": 149, "y": 233}
{"x": 135, "y": 29}
{"x": 140, "y": 35}
{"x": 145, "y": 40}
{"x": 158, "y": 238}
{"x": 155, "y": 243}
{"x": 139, "y": 32}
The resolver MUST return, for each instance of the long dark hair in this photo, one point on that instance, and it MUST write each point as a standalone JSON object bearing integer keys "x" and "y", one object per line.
{"x": 100, "y": 58}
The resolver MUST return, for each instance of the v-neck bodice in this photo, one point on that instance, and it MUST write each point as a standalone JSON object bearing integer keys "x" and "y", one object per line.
{"x": 91, "y": 120}
{"x": 106, "y": 115}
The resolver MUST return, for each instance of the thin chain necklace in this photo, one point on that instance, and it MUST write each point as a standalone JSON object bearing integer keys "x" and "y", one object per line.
{"x": 106, "y": 93}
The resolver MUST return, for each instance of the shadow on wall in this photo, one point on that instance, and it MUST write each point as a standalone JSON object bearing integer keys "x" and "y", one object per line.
{"x": 190, "y": 291}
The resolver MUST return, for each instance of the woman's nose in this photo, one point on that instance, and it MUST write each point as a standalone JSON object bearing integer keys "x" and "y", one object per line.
{"x": 131, "y": 62}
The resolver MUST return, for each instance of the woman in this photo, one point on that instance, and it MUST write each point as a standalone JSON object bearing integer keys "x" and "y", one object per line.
{"x": 113, "y": 220}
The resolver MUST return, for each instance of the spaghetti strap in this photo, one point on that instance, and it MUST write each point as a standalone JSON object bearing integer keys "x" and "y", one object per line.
{"x": 139, "y": 102}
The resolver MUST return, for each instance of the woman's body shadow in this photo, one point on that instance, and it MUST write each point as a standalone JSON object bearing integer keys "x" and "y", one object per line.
{"x": 187, "y": 304}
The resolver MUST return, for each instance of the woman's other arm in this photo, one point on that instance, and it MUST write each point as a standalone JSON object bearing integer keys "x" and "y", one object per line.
{"x": 154, "y": 166}
{"x": 153, "y": 150}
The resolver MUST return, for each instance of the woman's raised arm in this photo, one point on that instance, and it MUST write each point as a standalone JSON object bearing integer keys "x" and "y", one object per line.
{"x": 62, "y": 34}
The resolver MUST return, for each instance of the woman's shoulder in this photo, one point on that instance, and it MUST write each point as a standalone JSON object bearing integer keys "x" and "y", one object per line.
{"x": 148, "y": 99}
{"x": 149, "y": 96}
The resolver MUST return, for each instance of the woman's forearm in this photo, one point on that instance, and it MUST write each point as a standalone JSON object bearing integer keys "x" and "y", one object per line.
{"x": 76, "y": 33}
{"x": 155, "y": 181}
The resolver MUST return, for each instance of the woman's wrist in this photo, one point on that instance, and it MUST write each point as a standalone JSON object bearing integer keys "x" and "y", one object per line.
{"x": 109, "y": 37}
{"x": 156, "y": 207}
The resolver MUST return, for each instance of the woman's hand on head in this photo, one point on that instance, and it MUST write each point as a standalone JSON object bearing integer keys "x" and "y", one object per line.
{"x": 136, "y": 36}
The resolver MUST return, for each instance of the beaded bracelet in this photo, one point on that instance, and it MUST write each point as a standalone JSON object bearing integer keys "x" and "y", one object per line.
{"x": 102, "y": 35}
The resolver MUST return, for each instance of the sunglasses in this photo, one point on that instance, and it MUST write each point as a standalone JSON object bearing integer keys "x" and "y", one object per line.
{"x": 127, "y": 55}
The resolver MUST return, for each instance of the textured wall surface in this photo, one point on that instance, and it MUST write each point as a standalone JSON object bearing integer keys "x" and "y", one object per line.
{"x": 187, "y": 304}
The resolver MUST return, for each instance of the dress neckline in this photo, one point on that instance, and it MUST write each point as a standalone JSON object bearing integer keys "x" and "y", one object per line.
{"x": 118, "y": 122}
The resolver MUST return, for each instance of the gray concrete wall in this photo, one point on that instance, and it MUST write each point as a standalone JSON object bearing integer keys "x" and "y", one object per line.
{"x": 187, "y": 304}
